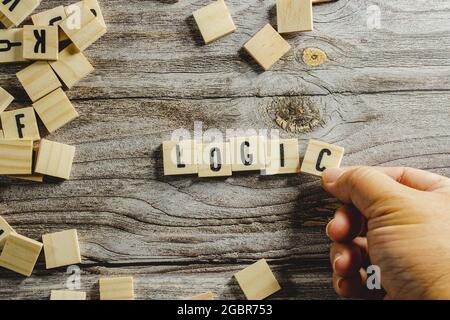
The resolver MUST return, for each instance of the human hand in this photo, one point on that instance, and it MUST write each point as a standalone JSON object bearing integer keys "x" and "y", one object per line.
{"x": 397, "y": 219}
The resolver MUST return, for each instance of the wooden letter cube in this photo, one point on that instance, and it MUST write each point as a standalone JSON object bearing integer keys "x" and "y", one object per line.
{"x": 257, "y": 281}
{"x": 52, "y": 17}
{"x": 61, "y": 249}
{"x": 11, "y": 45}
{"x": 16, "y": 156}
{"x": 248, "y": 153}
{"x": 320, "y": 156}
{"x": 16, "y": 11}
{"x": 67, "y": 295}
{"x": 5, "y": 231}
{"x": 40, "y": 43}
{"x": 116, "y": 288}
{"x": 180, "y": 157}
{"x": 214, "y": 160}
{"x": 203, "y": 296}
{"x": 20, "y": 124}
{"x": 94, "y": 7}
{"x": 214, "y": 21}
{"x": 283, "y": 156}
{"x": 55, "y": 110}
{"x": 294, "y": 15}
{"x": 8, "y": 24}
{"x": 20, "y": 254}
{"x": 72, "y": 66}
{"x": 5, "y": 99}
{"x": 55, "y": 159}
{"x": 267, "y": 47}
{"x": 38, "y": 80}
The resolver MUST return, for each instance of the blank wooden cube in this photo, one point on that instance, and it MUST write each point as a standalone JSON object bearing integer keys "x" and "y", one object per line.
{"x": 61, "y": 249}
{"x": 11, "y": 45}
{"x": 72, "y": 66}
{"x": 116, "y": 288}
{"x": 294, "y": 15}
{"x": 16, "y": 156}
{"x": 20, "y": 124}
{"x": 283, "y": 156}
{"x": 267, "y": 47}
{"x": 203, "y": 296}
{"x": 20, "y": 254}
{"x": 5, "y": 99}
{"x": 320, "y": 156}
{"x": 5, "y": 231}
{"x": 33, "y": 177}
{"x": 8, "y": 24}
{"x": 55, "y": 110}
{"x": 248, "y": 153}
{"x": 214, "y": 160}
{"x": 40, "y": 43}
{"x": 67, "y": 295}
{"x": 257, "y": 281}
{"x": 55, "y": 159}
{"x": 38, "y": 80}
{"x": 180, "y": 157}
{"x": 214, "y": 21}
{"x": 17, "y": 11}
{"x": 52, "y": 17}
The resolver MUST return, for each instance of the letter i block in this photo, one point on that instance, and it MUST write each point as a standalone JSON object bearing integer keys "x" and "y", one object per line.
{"x": 61, "y": 249}
{"x": 248, "y": 153}
{"x": 11, "y": 45}
{"x": 20, "y": 254}
{"x": 282, "y": 156}
{"x": 214, "y": 160}
{"x": 20, "y": 124}
{"x": 5, "y": 99}
{"x": 5, "y": 231}
{"x": 40, "y": 43}
{"x": 16, "y": 11}
{"x": 180, "y": 157}
{"x": 67, "y": 295}
{"x": 116, "y": 288}
{"x": 320, "y": 156}
{"x": 16, "y": 156}
{"x": 55, "y": 159}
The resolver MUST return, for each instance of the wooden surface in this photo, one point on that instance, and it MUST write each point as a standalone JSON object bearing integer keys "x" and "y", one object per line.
{"x": 382, "y": 94}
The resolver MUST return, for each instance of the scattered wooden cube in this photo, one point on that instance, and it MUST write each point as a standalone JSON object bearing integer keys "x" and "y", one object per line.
{"x": 40, "y": 43}
{"x": 294, "y": 15}
{"x": 94, "y": 7}
{"x": 267, "y": 47}
{"x": 52, "y": 17}
{"x": 20, "y": 124}
{"x": 283, "y": 156}
{"x": 55, "y": 159}
{"x": 5, "y": 99}
{"x": 203, "y": 296}
{"x": 55, "y": 110}
{"x": 5, "y": 231}
{"x": 61, "y": 249}
{"x": 72, "y": 66}
{"x": 38, "y": 80}
{"x": 116, "y": 288}
{"x": 257, "y": 281}
{"x": 322, "y": 1}
{"x": 16, "y": 11}
{"x": 11, "y": 46}
{"x": 248, "y": 153}
{"x": 6, "y": 22}
{"x": 20, "y": 254}
{"x": 180, "y": 157}
{"x": 67, "y": 295}
{"x": 214, "y": 21}
{"x": 214, "y": 159}
{"x": 320, "y": 156}
{"x": 16, "y": 156}
{"x": 33, "y": 177}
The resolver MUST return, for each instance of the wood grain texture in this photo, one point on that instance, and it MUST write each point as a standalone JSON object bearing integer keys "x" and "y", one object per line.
{"x": 382, "y": 95}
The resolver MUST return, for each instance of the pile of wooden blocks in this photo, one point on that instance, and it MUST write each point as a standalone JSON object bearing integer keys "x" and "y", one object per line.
{"x": 55, "y": 42}
{"x": 267, "y": 46}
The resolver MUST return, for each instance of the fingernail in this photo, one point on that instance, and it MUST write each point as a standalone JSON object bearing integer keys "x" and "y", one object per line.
{"x": 336, "y": 258}
{"x": 331, "y": 175}
{"x": 339, "y": 283}
{"x": 327, "y": 227}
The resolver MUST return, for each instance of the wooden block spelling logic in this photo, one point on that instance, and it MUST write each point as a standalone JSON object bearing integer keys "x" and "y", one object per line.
{"x": 61, "y": 249}
{"x": 38, "y": 80}
{"x": 40, "y": 43}
{"x": 6, "y": 22}
{"x": 282, "y": 156}
{"x": 16, "y": 156}
{"x": 67, "y": 295}
{"x": 320, "y": 156}
{"x": 5, "y": 231}
{"x": 294, "y": 15}
{"x": 116, "y": 288}
{"x": 52, "y": 17}
{"x": 248, "y": 153}
{"x": 203, "y": 296}
{"x": 180, "y": 157}
{"x": 5, "y": 99}
{"x": 55, "y": 159}
{"x": 20, "y": 124}
{"x": 72, "y": 66}
{"x": 214, "y": 160}
{"x": 267, "y": 47}
{"x": 11, "y": 45}
{"x": 16, "y": 11}
{"x": 214, "y": 21}
{"x": 257, "y": 281}
{"x": 84, "y": 28}
{"x": 20, "y": 254}
{"x": 55, "y": 110}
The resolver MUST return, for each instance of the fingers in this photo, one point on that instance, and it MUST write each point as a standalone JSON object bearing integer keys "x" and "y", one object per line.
{"x": 355, "y": 287}
{"x": 346, "y": 259}
{"x": 346, "y": 224}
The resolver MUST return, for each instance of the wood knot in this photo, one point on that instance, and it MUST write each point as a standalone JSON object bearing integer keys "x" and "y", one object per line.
{"x": 314, "y": 57}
